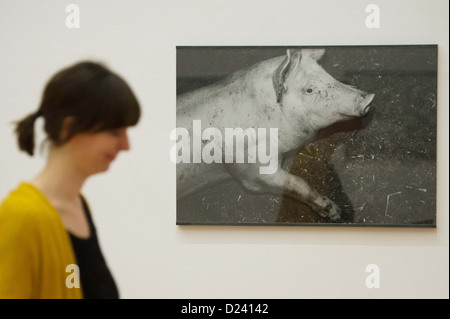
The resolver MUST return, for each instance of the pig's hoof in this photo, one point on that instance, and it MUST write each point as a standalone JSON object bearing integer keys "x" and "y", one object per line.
{"x": 331, "y": 211}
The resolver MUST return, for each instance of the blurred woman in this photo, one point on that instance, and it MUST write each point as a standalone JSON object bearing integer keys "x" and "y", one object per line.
{"x": 45, "y": 223}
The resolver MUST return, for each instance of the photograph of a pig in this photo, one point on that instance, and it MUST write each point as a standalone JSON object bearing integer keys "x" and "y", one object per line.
{"x": 292, "y": 93}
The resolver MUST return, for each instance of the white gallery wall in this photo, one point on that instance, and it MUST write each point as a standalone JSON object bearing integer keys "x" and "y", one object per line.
{"x": 134, "y": 204}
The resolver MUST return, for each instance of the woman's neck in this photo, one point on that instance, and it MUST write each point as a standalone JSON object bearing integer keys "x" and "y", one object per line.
{"x": 60, "y": 180}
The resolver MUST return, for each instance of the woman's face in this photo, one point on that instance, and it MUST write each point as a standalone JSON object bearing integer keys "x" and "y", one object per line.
{"x": 93, "y": 152}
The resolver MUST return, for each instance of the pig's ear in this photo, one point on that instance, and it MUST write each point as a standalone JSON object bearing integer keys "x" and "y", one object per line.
{"x": 315, "y": 54}
{"x": 279, "y": 76}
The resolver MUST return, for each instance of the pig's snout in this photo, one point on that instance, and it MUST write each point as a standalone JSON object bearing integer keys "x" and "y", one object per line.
{"x": 365, "y": 103}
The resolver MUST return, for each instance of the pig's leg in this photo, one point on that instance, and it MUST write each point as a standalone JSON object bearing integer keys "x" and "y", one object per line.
{"x": 297, "y": 188}
{"x": 284, "y": 182}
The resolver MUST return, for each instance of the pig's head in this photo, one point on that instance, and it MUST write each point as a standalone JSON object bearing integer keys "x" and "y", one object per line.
{"x": 305, "y": 91}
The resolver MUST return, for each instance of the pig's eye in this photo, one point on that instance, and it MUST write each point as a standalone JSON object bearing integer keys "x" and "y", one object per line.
{"x": 309, "y": 91}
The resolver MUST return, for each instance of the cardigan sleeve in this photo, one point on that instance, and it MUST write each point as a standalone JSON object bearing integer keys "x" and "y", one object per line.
{"x": 18, "y": 254}
{"x": 35, "y": 248}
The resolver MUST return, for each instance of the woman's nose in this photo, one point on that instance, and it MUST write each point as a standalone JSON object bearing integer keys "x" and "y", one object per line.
{"x": 124, "y": 143}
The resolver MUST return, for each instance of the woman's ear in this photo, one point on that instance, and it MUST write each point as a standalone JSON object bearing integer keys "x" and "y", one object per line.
{"x": 67, "y": 128}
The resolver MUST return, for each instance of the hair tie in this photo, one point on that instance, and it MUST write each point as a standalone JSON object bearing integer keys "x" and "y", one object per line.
{"x": 37, "y": 114}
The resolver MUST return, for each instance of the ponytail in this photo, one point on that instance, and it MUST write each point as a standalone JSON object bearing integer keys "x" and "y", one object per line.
{"x": 25, "y": 133}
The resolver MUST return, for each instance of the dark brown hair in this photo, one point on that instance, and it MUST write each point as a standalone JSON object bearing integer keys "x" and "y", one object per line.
{"x": 95, "y": 97}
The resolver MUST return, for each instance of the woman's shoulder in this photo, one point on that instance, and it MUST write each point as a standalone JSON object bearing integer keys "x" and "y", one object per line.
{"x": 25, "y": 202}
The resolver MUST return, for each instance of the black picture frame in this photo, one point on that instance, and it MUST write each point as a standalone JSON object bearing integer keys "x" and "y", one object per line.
{"x": 380, "y": 169}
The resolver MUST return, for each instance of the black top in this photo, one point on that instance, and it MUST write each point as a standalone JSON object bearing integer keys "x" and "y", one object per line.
{"x": 95, "y": 278}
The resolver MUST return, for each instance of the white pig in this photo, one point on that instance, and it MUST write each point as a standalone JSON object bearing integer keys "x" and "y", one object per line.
{"x": 292, "y": 93}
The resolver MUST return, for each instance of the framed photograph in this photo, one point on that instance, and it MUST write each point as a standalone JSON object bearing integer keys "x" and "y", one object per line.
{"x": 333, "y": 135}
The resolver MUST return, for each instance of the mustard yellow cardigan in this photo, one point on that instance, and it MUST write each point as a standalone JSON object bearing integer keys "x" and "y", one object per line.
{"x": 35, "y": 248}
